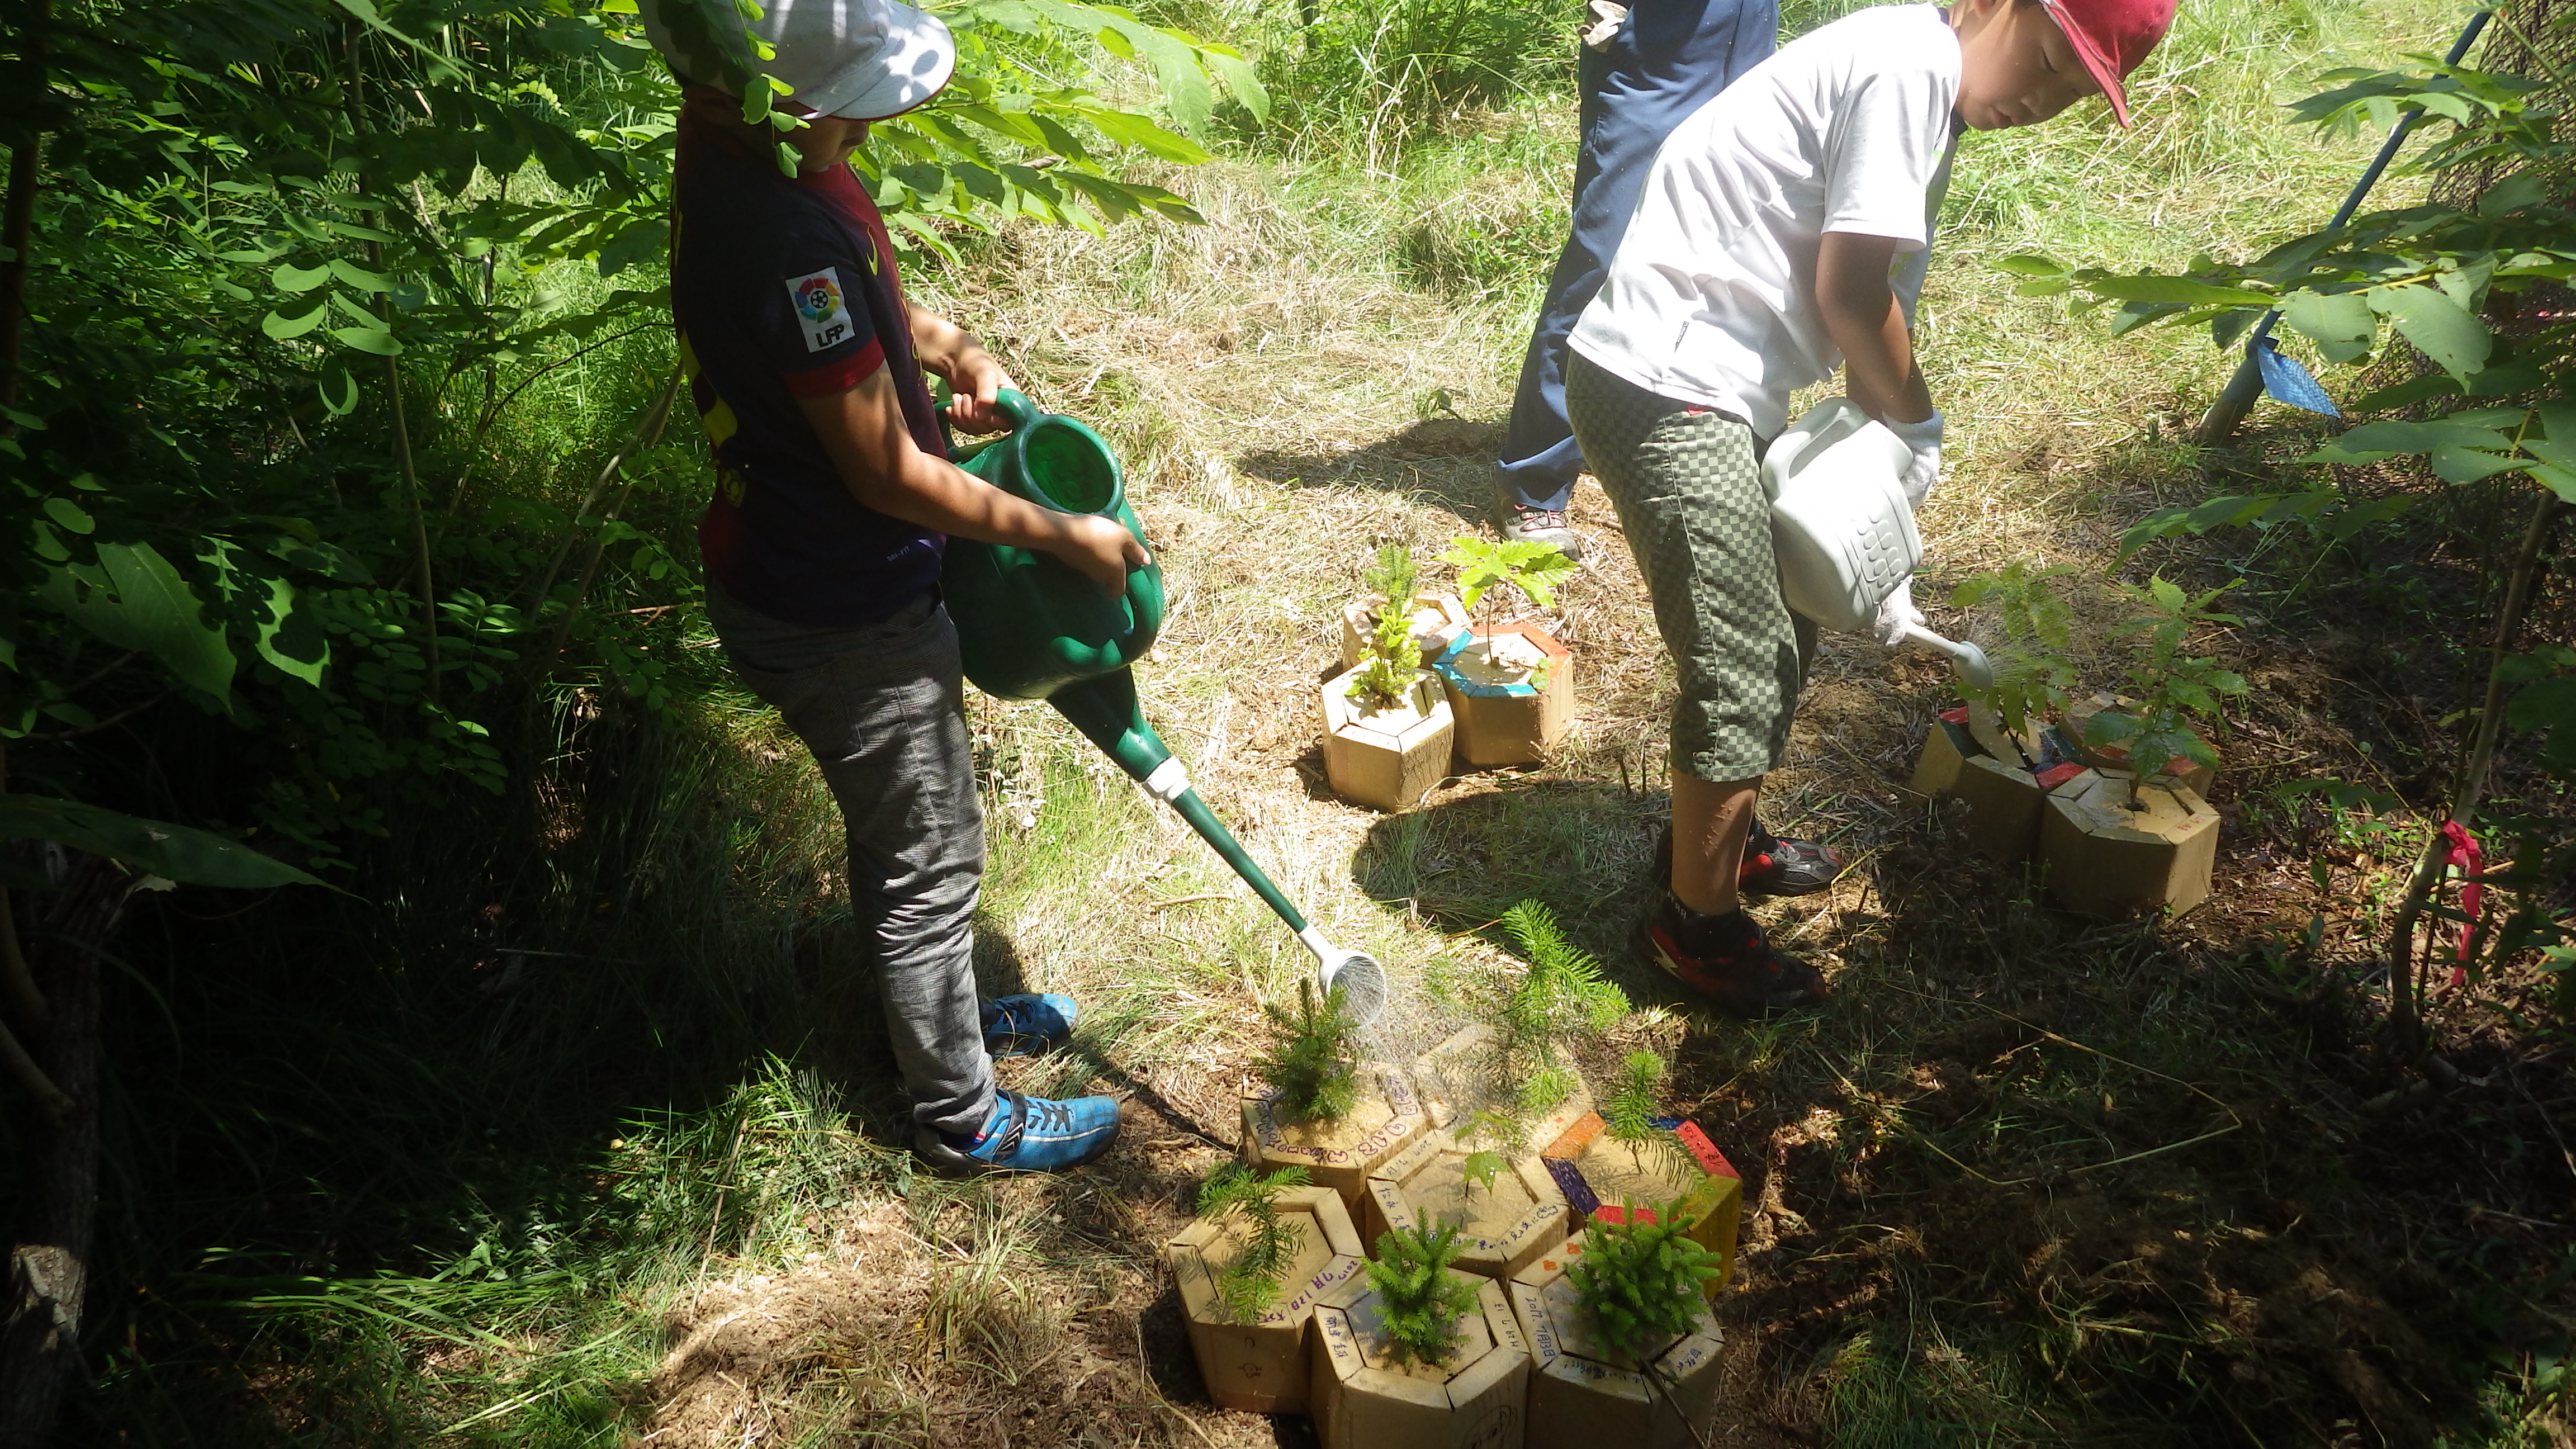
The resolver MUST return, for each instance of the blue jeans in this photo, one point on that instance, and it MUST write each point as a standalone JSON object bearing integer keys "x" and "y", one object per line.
{"x": 1668, "y": 59}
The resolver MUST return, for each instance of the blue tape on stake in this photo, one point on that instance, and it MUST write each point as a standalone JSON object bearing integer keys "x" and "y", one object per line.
{"x": 2289, "y": 382}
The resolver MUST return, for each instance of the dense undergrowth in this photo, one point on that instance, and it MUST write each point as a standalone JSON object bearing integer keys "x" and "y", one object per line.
{"x": 504, "y": 1143}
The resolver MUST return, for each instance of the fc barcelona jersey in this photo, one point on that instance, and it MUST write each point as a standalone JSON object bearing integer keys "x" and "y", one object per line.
{"x": 785, "y": 288}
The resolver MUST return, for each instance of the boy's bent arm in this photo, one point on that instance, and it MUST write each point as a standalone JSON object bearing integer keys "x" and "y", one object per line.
{"x": 1862, "y": 316}
{"x": 863, "y": 431}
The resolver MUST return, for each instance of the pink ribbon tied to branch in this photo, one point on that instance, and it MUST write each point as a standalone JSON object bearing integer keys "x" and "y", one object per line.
{"x": 2471, "y": 860}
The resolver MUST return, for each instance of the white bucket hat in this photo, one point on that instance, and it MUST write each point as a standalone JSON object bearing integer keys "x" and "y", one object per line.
{"x": 861, "y": 59}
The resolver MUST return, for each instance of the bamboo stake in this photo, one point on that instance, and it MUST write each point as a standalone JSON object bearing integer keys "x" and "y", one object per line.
{"x": 2472, "y": 783}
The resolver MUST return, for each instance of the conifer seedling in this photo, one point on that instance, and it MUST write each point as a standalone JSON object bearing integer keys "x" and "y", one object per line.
{"x": 1313, "y": 1062}
{"x": 1640, "y": 1281}
{"x": 1419, "y": 1299}
{"x": 1628, "y": 1115}
{"x": 1562, "y": 999}
{"x": 1394, "y": 656}
{"x": 1248, "y": 1285}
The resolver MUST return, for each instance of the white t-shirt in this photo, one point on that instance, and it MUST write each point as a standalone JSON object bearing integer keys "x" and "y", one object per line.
{"x": 1711, "y": 299}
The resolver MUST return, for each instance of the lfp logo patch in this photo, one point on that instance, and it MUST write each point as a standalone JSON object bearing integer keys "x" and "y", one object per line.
{"x": 822, "y": 308}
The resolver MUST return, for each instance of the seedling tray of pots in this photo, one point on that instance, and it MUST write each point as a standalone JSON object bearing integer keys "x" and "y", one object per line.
{"x": 1438, "y": 620}
{"x": 1260, "y": 1367}
{"x": 1364, "y": 1399}
{"x": 2112, "y": 852}
{"x": 1512, "y": 692}
{"x": 1339, "y": 1155}
{"x": 1604, "y": 1180}
{"x": 1389, "y": 757}
{"x": 1502, "y": 1225}
{"x": 1456, "y": 1074}
{"x": 1582, "y": 1396}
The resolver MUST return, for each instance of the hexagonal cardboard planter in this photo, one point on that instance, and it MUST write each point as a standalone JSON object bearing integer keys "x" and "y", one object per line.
{"x": 2116, "y": 757}
{"x": 2110, "y": 855}
{"x": 1452, "y": 1075}
{"x": 1602, "y": 1178}
{"x": 2003, "y": 799}
{"x": 1261, "y": 1367}
{"x": 1502, "y": 1226}
{"x": 1512, "y": 692}
{"x": 1339, "y": 1155}
{"x": 1438, "y": 620}
{"x": 1584, "y": 1397}
{"x": 1386, "y": 758}
{"x": 1362, "y": 1399}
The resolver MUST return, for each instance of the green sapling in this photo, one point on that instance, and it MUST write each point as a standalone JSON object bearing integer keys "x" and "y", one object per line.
{"x": 1248, "y": 1285}
{"x": 2033, "y": 675}
{"x": 1419, "y": 1299}
{"x": 2173, "y": 686}
{"x": 1640, "y": 1281}
{"x": 1394, "y": 656}
{"x": 1533, "y": 568}
{"x": 1313, "y": 1061}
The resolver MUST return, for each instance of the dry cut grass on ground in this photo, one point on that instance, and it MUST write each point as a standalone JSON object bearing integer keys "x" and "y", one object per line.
{"x": 2025, "y": 1179}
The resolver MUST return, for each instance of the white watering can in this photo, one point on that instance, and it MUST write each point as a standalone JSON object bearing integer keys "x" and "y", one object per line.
{"x": 1844, "y": 535}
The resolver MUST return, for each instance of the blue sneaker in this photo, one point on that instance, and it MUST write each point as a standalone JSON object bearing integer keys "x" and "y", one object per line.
{"x": 1026, "y": 1134}
{"x": 1024, "y": 1025}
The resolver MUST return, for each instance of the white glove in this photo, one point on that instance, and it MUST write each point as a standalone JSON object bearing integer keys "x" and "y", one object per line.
{"x": 1895, "y": 613}
{"x": 1923, "y": 439}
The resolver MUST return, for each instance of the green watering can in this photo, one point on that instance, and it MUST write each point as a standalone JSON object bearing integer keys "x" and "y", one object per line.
{"x": 1032, "y": 627}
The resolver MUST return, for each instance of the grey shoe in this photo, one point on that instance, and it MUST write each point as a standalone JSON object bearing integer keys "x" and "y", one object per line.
{"x": 1521, "y": 523}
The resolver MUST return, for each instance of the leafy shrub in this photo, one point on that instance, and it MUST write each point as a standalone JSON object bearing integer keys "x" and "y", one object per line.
{"x": 2172, "y": 684}
{"x": 2033, "y": 676}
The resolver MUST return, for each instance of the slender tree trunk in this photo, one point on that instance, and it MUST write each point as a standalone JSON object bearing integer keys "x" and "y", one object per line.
{"x": 49, "y": 1265}
{"x": 2472, "y": 782}
{"x": 17, "y": 232}
{"x": 421, "y": 575}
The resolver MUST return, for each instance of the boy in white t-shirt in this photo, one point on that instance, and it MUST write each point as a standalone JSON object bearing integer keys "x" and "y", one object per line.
{"x": 1783, "y": 232}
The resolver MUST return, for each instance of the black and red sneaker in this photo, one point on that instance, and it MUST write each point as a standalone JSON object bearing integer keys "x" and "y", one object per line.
{"x": 1773, "y": 866}
{"x": 1728, "y": 961}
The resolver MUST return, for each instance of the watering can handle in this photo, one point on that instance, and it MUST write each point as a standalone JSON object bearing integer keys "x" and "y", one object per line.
{"x": 1016, "y": 404}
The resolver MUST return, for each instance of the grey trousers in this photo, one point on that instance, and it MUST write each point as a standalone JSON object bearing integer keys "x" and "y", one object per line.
{"x": 882, "y": 707}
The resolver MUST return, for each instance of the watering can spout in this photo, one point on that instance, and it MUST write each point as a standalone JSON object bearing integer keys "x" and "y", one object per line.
{"x": 1975, "y": 672}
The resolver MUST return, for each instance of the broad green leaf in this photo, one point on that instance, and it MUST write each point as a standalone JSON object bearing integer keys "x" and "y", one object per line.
{"x": 154, "y": 847}
{"x": 339, "y": 389}
{"x": 2560, "y": 481}
{"x": 292, "y": 638}
{"x": 2032, "y": 264}
{"x": 69, "y": 514}
{"x": 2439, "y": 327}
{"x": 369, "y": 339}
{"x": 2175, "y": 291}
{"x": 1129, "y": 129}
{"x": 136, "y": 600}
{"x": 360, "y": 278}
{"x": 2341, "y": 323}
{"x": 2455, "y": 464}
{"x": 299, "y": 279}
{"x": 2546, "y": 704}
{"x": 282, "y": 327}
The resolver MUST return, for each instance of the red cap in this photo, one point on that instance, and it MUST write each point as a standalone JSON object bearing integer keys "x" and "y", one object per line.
{"x": 2111, "y": 37}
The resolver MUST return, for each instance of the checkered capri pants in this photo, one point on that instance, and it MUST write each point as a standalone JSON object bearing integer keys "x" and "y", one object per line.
{"x": 1686, "y": 481}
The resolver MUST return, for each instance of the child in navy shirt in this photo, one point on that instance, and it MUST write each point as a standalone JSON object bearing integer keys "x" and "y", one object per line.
{"x": 834, "y": 501}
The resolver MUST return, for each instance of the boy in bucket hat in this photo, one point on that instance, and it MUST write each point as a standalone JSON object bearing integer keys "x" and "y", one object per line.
{"x": 1783, "y": 232}
{"x": 834, "y": 501}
